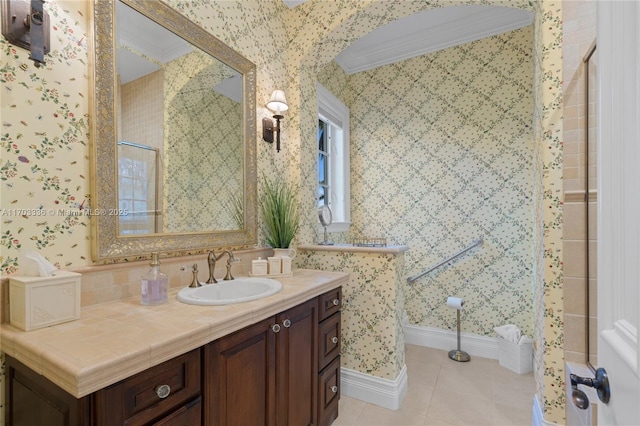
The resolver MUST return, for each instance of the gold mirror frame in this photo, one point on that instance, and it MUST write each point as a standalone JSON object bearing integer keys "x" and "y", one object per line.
{"x": 107, "y": 245}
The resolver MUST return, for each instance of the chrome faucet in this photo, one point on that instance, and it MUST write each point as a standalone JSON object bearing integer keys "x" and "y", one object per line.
{"x": 212, "y": 259}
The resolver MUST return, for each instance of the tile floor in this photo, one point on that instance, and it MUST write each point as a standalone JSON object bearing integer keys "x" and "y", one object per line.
{"x": 445, "y": 392}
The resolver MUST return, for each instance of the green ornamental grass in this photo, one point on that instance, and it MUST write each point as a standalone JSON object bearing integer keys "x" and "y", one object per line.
{"x": 280, "y": 214}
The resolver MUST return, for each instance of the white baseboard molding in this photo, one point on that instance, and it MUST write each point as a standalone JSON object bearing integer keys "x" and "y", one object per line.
{"x": 383, "y": 392}
{"x": 482, "y": 346}
{"x": 538, "y": 415}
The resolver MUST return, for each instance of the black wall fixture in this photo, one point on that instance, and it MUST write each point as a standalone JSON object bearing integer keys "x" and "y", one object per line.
{"x": 26, "y": 24}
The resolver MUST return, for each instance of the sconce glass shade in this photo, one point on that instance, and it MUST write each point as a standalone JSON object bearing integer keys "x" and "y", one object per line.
{"x": 278, "y": 102}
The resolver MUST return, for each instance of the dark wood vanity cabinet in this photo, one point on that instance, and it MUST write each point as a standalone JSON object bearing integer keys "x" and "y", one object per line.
{"x": 30, "y": 399}
{"x": 284, "y": 370}
{"x": 165, "y": 394}
{"x": 265, "y": 374}
{"x": 154, "y": 396}
{"x": 329, "y": 338}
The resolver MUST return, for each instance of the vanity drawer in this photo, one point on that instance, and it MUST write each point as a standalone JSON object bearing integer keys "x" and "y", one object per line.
{"x": 150, "y": 394}
{"x": 330, "y": 303}
{"x": 187, "y": 415}
{"x": 329, "y": 393}
{"x": 329, "y": 334}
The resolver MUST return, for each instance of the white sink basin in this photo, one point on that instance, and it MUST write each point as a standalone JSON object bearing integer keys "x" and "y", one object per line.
{"x": 232, "y": 291}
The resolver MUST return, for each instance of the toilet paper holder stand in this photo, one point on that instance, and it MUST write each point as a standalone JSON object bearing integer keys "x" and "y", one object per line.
{"x": 458, "y": 354}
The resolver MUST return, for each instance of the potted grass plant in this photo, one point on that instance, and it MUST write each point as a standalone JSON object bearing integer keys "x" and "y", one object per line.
{"x": 280, "y": 213}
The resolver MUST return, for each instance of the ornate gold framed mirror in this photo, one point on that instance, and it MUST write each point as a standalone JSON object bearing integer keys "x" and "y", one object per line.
{"x": 173, "y": 136}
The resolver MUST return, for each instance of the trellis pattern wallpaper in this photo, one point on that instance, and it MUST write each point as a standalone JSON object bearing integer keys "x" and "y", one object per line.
{"x": 372, "y": 309}
{"x": 203, "y": 146}
{"x": 44, "y": 138}
{"x": 442, "y": 151}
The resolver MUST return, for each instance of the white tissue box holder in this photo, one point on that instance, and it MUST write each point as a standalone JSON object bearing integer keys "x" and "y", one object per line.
{"x": 36, "y": 302}
{"x": 515, "y": 357}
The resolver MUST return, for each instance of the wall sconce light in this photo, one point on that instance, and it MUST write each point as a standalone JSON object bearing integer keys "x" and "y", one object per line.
{"x": 278, "y": 104}
{"x": 26, "y": 24}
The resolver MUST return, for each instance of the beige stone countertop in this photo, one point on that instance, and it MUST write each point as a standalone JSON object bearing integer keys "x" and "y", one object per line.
{"x": 114, "y": 340}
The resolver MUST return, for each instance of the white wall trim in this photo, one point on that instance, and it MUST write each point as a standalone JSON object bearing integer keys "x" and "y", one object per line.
{"x": 383, "y": 392}
{"x": 537, "y": 415}
{"x": 482, "y": 346}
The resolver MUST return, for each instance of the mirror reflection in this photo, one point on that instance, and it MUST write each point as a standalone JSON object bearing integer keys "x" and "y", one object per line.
{"x": 174, "y": 148}
{"x": 180, "y": 133}
{"x": 591, "y": 200}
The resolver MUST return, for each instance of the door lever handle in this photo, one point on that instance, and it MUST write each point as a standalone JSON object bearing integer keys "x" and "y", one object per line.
{"x": 600, "y": 383}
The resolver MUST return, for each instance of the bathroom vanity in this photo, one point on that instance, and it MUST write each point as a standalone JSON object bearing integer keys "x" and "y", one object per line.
{"x": 270, "y": 361}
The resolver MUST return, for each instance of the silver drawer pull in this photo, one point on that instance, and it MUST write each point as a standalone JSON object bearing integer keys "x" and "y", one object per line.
{"x": 163, "y": 391}
{"x": 336, "y": 302}
{"x": 286, "y": 323}
{"x": 334, "y": 340}
{"x": 334, "y": 389}
{"x": 275, "y": 328}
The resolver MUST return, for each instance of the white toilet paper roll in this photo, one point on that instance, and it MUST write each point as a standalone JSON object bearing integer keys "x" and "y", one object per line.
{"x": 455, "y": 302}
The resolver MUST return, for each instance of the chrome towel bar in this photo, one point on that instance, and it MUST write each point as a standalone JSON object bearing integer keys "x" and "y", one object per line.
{"x": 474, "y": 244}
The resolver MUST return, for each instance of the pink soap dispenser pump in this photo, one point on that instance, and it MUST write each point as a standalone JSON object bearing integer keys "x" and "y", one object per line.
{"x": 154, "y": 283}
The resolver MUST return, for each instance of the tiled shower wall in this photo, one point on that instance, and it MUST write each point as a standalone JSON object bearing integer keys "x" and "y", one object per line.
{"x": 579, "y": 26}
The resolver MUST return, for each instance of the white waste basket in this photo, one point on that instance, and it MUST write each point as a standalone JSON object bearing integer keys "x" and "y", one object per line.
{"x": 516, "y": 357}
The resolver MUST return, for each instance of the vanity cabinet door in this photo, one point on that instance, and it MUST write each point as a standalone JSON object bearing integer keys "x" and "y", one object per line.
{"x": 240, "y": 378}
{"x": 297, "y": 365}
{"x": 33, "y": 400}
{"x": 265, "y": 374}
{"x": 329, "y": 340}
{"x": 329, "y": 393}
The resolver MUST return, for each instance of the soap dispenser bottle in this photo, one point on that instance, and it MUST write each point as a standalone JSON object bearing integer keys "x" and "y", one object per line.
{"x": 154, "y": 283}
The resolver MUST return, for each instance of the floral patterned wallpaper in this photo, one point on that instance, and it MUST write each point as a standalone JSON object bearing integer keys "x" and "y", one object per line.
{"x": 548, "y": 193}
{"x": 44, "y": 169}
{"x": 372, "y": 309}
{"x": 44, "y": 140}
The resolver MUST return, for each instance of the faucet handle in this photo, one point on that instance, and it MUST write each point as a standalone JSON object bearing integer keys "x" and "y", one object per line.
{"x": 230, "y": 260}
{"x": 195, "y": 283}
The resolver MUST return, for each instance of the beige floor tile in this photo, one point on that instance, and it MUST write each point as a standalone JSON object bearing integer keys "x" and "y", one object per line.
{"x": 430, "y": 421}
{"x": 470, "y": 384}
{"x": 515, "y": 391}
{"x": 424, "y": 355}
{"x": 422, "y": 374}
{"x": 372, "y": 415}
{"x": 349, "y": 410}
{"x": 443, "y": 392}
{"x": 505, "y": 415}
{"x": 460, "y": 409}
{"x": 418, "y": 398}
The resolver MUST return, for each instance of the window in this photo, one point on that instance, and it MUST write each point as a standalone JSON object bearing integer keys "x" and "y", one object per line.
{"x": 333, "y": 159}
{"x": 137, "y": 180}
